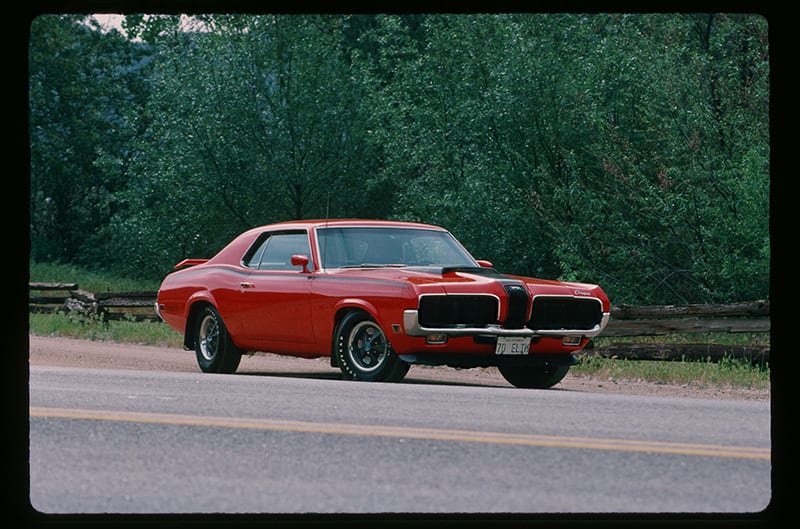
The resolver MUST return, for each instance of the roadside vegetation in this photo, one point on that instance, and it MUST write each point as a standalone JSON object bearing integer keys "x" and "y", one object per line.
{"x": 84, "y": 328}
{"x": 729, "y": 372}
{"x": 89, "y": 280}
{"x": 627, "y": 150}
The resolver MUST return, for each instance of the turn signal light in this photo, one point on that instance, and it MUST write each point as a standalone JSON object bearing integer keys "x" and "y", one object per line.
{"x": 572, "y": 340}
{"x": 436, "y": 339}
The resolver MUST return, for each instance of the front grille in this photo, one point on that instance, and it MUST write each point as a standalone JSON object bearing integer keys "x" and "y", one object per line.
{"x": 517, "y": 312}
{"x": 448, "y": 311}
{"x": 554, "y": 313}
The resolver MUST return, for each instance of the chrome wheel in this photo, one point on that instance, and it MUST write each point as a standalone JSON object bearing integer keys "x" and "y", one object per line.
{"x": 213, "y": 346}
{"x": 363, "y": 351}
{"x": 208, "y": 336}
{"x": 367, "y": 346}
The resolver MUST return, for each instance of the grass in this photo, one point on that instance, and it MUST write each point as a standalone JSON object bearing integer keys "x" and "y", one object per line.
{"x": 86, "y": 280}
{"x": 86, "y": 328}
{"x": 729, "y": 372}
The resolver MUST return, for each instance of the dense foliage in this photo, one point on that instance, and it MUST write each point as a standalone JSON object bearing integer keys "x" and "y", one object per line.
{"x": 626, "y": 150}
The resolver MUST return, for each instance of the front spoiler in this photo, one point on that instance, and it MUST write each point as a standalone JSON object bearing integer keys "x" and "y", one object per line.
{"x": 413, "y": 328}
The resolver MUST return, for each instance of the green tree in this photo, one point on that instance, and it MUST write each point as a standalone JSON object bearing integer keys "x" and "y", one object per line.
{"x": 252, "y": 121}
{"x": 439, "y": 95}
{"x": 85, "y": 93}
{"x": 676, "y": 177}
{"x": 628, "y": 150}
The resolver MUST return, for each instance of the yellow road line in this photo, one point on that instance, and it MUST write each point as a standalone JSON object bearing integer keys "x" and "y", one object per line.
{"x": 589, "y": 443}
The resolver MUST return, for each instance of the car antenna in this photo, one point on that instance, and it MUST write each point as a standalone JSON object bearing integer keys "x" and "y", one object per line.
{"x": 325, "y": 241}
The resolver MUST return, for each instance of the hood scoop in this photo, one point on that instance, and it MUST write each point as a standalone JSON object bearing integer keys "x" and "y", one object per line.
{"x": 477, "y": 270}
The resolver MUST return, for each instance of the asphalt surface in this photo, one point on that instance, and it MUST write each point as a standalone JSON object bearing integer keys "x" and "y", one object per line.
{"x": 131, "y": 441}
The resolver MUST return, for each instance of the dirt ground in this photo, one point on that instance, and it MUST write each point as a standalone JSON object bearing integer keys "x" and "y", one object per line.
{"x": 68, "y": 352}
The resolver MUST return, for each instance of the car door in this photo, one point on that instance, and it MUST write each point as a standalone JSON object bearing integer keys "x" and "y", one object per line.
{"x": 275, "y": 304}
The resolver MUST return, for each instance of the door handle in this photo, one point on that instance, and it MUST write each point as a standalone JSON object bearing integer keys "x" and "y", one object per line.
{"x": 246, "y": 285}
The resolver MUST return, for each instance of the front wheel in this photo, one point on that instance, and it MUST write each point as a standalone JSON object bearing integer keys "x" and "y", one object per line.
{"x": 364, "y": 353}
{"x": 215, "y": 351}
{"x": 533, "y": 377}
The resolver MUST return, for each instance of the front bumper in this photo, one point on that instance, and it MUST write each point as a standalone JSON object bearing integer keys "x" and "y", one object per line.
{"x": 413, "y": 328}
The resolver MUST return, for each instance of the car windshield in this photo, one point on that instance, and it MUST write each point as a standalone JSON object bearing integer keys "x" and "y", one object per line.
{"x": 385, "y": 246}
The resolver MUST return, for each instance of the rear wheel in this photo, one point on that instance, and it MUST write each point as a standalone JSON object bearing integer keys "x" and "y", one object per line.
{"x": 533, "y": 377}
{"x": 213, "y": 346}
{"x": 364, "y": 353}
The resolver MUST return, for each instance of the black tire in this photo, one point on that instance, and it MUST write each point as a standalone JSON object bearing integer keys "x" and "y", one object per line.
{"x": 213, "y": 346}
{"x": 533, "y": 377}
{"x": 364, "y": 353}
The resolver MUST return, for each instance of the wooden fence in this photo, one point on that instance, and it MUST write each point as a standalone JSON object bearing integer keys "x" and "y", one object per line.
{"x": 67, "y": 297}
{"x": 626, "y": 321}
{"x": 743, "y": 317}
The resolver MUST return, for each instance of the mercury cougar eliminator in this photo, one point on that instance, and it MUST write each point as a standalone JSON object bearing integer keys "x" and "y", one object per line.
{"x": 376, "y": 297}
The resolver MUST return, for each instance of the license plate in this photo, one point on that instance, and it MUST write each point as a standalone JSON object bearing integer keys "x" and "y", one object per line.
{"x": 512, "y": 345}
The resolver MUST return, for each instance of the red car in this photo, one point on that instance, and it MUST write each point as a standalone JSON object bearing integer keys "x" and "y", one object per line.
{"x": 376, "y": 297}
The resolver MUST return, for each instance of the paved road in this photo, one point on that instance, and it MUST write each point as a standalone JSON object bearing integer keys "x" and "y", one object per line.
{"x": 141, "y": 441}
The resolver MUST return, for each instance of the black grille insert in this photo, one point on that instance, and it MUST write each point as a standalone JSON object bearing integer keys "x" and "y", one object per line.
{"x": 517, "y": 312}
{"x": 554, "y": 313}
{"x": 448, "y": 311}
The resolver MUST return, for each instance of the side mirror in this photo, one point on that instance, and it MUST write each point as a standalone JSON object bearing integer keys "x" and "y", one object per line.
{"x": 485, "y": 264}
{"x": 301, "y": 260}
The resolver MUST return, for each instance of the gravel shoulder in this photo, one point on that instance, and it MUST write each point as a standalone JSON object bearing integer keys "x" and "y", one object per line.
{"x": 68, "y": 352}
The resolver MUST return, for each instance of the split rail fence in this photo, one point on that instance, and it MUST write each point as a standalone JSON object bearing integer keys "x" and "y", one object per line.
{"x": 107, "y": 306}
{"x": 688, "y": 320}
{"x": 626, "y": 321}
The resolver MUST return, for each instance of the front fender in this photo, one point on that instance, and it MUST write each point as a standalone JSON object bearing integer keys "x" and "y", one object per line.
{"x": 389, "y": 314}
{"x": 356, "y": 303}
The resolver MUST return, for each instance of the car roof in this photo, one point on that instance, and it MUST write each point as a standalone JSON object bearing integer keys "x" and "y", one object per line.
{"x": 367, "y": 223}
{"x": 233, "y": 251}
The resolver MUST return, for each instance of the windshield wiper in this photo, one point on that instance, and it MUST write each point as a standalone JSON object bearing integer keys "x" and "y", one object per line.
{"x": 376, "y": 265}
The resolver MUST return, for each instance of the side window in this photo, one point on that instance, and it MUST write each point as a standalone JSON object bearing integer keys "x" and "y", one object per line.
{"x": 253, "y": 257}
{"x": 275, "y": 252}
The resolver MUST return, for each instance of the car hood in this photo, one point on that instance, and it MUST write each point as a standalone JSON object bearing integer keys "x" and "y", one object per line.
{"x": 422, "y": 275}
{"x": 462, "y": 280}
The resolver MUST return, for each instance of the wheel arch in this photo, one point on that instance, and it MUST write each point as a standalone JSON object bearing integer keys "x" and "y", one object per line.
{"x": 346, "y": 306}
{"x": 341, "y": 310}
{"x": 195, "y": 307}
{"x": 388, "y": 367}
